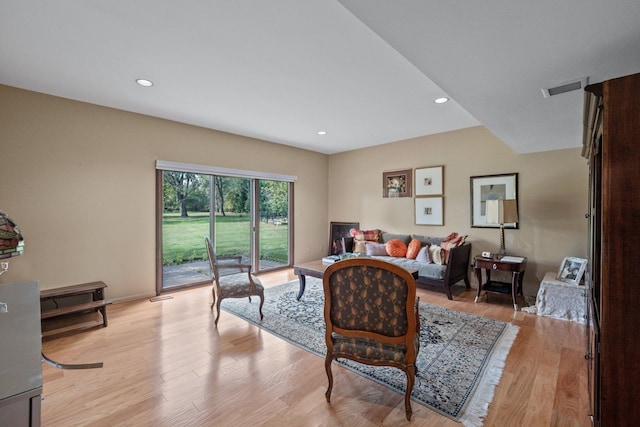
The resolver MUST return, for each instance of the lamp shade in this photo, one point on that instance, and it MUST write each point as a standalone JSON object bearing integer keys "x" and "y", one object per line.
{"x": 11, "y": 241}
{"x": 501, "y": 211}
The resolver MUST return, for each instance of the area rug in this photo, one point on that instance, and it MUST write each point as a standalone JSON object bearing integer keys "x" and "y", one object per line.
{"x": 461, "y": 355}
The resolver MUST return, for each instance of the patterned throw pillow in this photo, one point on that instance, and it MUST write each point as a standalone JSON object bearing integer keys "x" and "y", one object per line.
{"x": 449, "y": 242}
{"x": 449, "y": 238}
{"x": 413, "y": 249}
{"x": 368, "y": 235}
{"x": 362, "y": 236}
{"x": 396, "y": 248}
{"x": 453, "y": 240}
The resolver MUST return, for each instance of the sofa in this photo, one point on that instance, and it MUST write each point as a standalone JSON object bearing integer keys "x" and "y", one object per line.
{"x": 441, "y": 262}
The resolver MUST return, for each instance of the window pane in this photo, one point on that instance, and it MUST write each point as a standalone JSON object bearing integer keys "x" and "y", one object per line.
{"x": 233, "y": 217}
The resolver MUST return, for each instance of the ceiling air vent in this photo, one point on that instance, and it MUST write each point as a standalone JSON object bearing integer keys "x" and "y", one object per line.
{"x": 565, "y": 87}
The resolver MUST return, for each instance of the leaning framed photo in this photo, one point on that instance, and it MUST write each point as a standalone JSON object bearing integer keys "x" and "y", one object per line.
{"x": 429, "y": 210}
{"x": 337, "y": 232}
{"x": 397, "y": 183}
{"x": 571, "y": 270}
{"x": 429, "y": 181}
{"x": 491, "y": 187}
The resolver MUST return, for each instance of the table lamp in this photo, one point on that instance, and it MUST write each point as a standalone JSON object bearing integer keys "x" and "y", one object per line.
{"x": 501, "y": 212}
{"x": 11, "y": 241}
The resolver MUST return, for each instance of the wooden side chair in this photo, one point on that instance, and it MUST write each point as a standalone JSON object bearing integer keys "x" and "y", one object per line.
{"x": 240, "y": 284}
{"x": 371, "y": 313}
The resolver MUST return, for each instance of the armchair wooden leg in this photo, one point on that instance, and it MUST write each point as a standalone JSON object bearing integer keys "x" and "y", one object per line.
{"x": 327, "y": 367}
{"x": 218, "y": 310}
{"x": 261, "y": 304}
{"x": 213, "y": 295}
{"x": 411, "y": 375}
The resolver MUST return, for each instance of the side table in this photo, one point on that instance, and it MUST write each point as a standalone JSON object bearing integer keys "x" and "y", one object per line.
{"x": 517, "y": 270}
{"x": 560, "y": 300}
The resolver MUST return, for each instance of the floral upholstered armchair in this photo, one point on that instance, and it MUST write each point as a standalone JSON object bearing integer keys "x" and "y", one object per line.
{"x": 371, "y": 313}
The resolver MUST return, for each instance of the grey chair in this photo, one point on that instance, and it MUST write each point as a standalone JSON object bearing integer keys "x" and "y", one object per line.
{"x": 239, "y": 284}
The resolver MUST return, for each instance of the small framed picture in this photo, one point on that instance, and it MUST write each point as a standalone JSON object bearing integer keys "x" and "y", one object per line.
{"x": 429, "y": 181}
{"x": 429, "y": 210}
{"x": 396, "y": 183}
{"x": 338, "y": 232}
{"x": 571, "y": 270}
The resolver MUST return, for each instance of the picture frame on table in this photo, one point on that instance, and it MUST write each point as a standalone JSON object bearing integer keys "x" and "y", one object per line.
{"x": 429, "y": 181}
{"x": 429, "y": 210}
{"x": 338, "y": 234}
{"x": 571, "y": 270}
{"x": 397, "y": 183}
{"x": 491, "y": 187}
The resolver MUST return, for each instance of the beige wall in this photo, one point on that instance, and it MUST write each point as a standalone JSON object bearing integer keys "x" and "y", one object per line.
{"x": 79, "y": 180}
{"x": 552, "y": 190}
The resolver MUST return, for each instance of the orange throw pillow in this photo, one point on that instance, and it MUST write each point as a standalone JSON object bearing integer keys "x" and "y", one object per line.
{"x": 396, "y": 248}
{"x": 413, "y": 248}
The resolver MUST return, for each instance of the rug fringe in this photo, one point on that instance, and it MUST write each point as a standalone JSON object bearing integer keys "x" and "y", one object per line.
{"x": 478, "y": 407}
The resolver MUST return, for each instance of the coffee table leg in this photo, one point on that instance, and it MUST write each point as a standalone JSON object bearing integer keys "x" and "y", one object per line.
{"x": 303, "y": 283}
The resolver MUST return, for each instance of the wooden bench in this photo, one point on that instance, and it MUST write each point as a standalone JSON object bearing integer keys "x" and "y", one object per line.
{"x": 83, "y": 298}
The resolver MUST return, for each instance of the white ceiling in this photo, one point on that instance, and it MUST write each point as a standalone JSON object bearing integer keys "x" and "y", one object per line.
{"x": 364, "y": 71}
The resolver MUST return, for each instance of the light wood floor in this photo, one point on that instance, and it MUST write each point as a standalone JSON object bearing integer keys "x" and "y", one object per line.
{"x": 165, "y": 364}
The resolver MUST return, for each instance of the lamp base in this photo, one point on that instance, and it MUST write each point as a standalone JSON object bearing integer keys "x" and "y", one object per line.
{"x": 502, "y": 252}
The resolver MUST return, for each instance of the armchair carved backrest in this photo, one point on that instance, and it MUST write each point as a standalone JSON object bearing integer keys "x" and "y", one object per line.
{"x": 239, "y": 284}
{"x": 371, "y": 314}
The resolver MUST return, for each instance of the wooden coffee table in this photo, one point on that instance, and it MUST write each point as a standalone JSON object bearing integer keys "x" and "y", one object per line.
{"x": 311, "y": 268}
{"x": 317, "y": 269}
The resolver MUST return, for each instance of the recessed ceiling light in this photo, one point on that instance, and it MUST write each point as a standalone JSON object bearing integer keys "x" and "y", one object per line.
{"x": 441, "y": 100}
{"x": 322, "y": 132}
{"x": 144, "y": 82}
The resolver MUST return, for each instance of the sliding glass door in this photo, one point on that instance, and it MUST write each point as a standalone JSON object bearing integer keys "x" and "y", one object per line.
{"x": 232, "y": 222}
{"x": 272, "y": 224}
{"x": 185, "y": 219}
{"x": 245, "y": 216}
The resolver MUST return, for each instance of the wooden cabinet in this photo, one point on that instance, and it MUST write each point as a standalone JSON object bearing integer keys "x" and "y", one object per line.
{"x": 612, "y": 147}
{"x": 20, "y": 354}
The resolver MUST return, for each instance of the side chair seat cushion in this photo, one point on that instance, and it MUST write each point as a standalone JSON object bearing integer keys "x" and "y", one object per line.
{"x": 370, "y": 349}
{"x": 238, "y": 285}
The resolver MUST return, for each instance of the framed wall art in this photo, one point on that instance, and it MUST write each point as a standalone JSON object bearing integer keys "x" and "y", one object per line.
{"x": 397, "y": 183}
{"x": 429, "y": 210}
{"x": 491, "y": 187}
{"x": 429, "y": 181}
{"x": 337, "y": 232}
